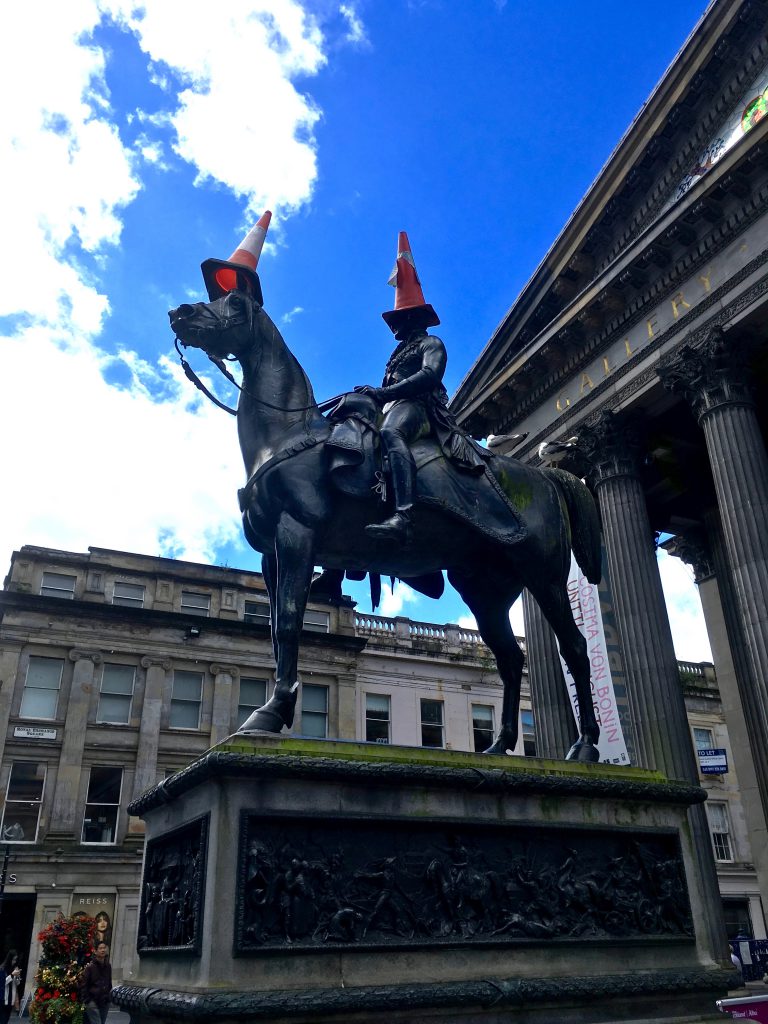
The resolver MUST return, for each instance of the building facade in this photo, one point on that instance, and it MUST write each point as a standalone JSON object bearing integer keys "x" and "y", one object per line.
{"x": 119, "y": 669}
{"x": 644, "y": 334}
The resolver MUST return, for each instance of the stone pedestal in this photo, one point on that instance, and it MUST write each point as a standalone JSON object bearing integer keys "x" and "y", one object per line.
{"x": 295, "y": 880}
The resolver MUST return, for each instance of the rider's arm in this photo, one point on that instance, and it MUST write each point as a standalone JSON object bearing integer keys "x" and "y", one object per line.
{"x": 433, "y": 363}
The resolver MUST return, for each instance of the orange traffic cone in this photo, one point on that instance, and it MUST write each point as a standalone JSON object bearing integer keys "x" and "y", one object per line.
{"x": 239, "y": 271}
{"x": 409, "y": 298}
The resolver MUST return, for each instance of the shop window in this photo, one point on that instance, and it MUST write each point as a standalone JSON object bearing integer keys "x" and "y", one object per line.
{"x": 41, "y": 688}
{"x": 482, "y": 726}
{"x": 257, "y": 613}
{"x": 23, "y": 800}
{"x": 186, "y": 699}
{"x": 56, "y": 584}
{"x": 195, "y": 604}
{"x": 432, "y": 723}
{"x": 529, "y": 733}
{"x": 314, "y": 710}
{"x": 116, "y": 694}
{"x": 253, "y": 695}
{"x": 129, "y": 594}
{"x": 377, "y": 717}
{"x": 719, "y": 825}
{"x": 102, "y": 805}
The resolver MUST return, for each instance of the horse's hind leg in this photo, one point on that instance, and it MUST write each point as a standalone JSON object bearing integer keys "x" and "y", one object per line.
{"x": 489, "y": 598}
{"x": 553, "y": 600}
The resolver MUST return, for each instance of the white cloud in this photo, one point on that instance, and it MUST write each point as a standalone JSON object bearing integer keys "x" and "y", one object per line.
{"x": 686, "y": 617}
{"x": 356, "y": 34}
{"x": 394, "y": 600}
{"x": 96, "y": 464}
{"x": 86, "y": 462}
{"x": 291, "y": 315}
{"x": 238, "y": 118}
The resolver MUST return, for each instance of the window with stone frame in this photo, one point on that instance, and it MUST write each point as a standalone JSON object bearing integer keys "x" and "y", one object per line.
{"x": 316, "y": 621}
{"x": 253, "y": 695}
{"x": 131, "y": 595}
{"x": 377, "y": 718}
{"x": 41, "y": 688}
{"x": 23, "y": 801}
{"x": 116, "y": 694}
{"x": 720, "y": 829}
{"x": 482, "y": 726}
{"x": 704, "y": 739}
{"x": 194, "y": 603}
{"x": 432, "y": 734}
{"x": 57, "y": 584}
{"x": 257, "y": 613}
{"x": 186, "y": 700}
{"x": 529, "y": 732}
{"x": 314, "y": 710}
{"x": 102, "y": 805}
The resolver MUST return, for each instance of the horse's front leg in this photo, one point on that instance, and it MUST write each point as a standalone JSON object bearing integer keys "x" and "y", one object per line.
{"x": 294, "y": 556}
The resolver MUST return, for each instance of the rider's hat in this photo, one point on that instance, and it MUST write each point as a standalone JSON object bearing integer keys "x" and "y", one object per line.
{"x": 409, "y": 298}
{"x": 239, "y": 271}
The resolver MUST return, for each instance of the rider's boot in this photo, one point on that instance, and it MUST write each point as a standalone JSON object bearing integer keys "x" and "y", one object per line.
{"x": 398, "y": 528}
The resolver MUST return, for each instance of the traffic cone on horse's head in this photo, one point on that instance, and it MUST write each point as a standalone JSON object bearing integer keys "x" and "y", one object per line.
{"x": 409, "y": 298}
{"x": 239, "y": 271}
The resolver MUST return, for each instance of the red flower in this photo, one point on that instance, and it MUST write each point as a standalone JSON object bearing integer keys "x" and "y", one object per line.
{"x": 73, "y": 997}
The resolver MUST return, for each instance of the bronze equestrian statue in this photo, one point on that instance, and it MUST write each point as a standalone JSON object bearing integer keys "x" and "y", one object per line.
{"x": 313, "y": 489}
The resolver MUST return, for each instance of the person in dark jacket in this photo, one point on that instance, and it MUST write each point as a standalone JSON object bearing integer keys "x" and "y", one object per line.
{"x": 96, "y": 985}
{"x": 10, "y": 980}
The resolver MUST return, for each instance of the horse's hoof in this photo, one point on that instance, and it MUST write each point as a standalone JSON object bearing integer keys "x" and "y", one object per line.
{"x": 583, "y": 750}
{"x": 271, "y": 718}
{"x": 501, "y": 745}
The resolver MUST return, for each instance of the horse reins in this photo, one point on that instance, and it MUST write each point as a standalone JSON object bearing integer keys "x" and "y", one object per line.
{"x": 219, "y": 364}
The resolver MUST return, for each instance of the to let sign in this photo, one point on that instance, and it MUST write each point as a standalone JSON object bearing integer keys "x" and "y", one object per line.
{"x": 713, "y": 761}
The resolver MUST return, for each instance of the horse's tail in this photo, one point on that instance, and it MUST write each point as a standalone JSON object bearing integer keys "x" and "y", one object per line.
{"x": 584, "y": 522}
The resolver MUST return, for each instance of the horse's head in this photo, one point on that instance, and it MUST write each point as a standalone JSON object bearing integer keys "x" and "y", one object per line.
{"x": 220, "y": 328}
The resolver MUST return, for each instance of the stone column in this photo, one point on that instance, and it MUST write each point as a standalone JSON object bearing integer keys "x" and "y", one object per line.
{"x": 715, "y": 380}
{"x": 552, "y": 713}
{"x": 660, "y": 724}
{"x": 734, "y": 677}
{"x": 224, "y": 678}
{"x": 661, "y": 736}
{"x": 157, "y": 670}
{"x": 63, "y": 824}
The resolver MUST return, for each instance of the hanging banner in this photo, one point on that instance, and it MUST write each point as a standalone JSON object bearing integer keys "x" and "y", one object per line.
{"x": 585, "y": 607}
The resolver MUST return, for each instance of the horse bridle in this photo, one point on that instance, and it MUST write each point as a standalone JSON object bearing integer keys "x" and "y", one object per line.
{"x": 224, "y": 323}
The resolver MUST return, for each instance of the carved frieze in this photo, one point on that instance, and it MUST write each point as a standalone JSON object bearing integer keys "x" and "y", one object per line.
{"x": 316, "y": 883}
{"x": 173, "y": 890}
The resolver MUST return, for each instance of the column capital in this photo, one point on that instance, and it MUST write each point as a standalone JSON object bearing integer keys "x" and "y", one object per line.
{"x": 613, "y": 445}
{"x": 693, "y": 548}
{"x": 712, "y": 373}
{"x": 77, "y": 654}
{"x": 150, "y": 660}
{"x": 217, "y": 669}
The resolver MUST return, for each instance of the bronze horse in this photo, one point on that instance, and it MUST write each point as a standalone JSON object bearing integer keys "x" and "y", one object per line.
{"x": 295, "y": 516}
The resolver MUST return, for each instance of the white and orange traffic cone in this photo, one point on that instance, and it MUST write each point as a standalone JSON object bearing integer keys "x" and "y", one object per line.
{"x": 239, "y": 271}
{"x": 409, "y": 297}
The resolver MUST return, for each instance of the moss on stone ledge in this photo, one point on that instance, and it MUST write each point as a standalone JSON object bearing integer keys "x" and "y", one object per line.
{"x": 264, "y": 743}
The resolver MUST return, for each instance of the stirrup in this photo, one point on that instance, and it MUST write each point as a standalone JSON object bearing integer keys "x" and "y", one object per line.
{"x": 397, "y": 528}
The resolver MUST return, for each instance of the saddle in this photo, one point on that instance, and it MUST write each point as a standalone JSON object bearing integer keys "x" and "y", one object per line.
{"x": 356, "y": 468}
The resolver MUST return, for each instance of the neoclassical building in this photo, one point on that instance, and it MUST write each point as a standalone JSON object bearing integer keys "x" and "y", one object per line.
{"x": 644, "y": 334}
{"x": 118, "y": 669}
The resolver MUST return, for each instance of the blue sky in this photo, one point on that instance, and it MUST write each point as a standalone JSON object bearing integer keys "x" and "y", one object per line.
{"x": 142, "y": 139}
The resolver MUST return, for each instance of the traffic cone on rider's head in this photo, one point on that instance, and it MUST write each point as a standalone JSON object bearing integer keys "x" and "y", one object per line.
{"x": 409, "y": 298}
{"x": 239, "y": 271}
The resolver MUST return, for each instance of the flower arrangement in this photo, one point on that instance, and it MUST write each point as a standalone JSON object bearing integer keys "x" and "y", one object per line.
{"x": 67, "y": 946}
